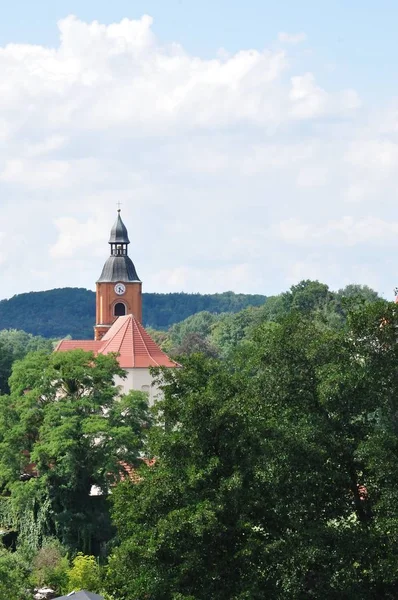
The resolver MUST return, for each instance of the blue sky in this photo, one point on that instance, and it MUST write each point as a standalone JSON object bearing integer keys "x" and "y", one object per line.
{"x": 252, "y": 144}
{"x": 357, "y": 36}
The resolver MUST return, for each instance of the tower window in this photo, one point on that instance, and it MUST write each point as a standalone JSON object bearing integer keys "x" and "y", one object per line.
{"x": 119, "y": 309}
{"x": 118, "y": 250}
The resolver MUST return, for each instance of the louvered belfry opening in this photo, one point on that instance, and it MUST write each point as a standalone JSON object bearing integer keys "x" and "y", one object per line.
{"x": 118, "y": 249}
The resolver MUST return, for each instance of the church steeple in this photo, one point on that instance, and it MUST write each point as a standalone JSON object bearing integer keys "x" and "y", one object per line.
{"x": 119, "y": 267}
{"x": 119, "y": 287}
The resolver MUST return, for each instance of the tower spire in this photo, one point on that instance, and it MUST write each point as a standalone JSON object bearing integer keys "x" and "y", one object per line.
{"x": 119, "y": 235}
{"x": 119, "y": 287}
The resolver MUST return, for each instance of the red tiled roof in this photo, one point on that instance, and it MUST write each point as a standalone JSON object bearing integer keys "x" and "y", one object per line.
{"x": 134, "y": 345}
{"x": 131, "y": 473}
{"x": 128, "y": 338}
{"x": 87, "y": 345}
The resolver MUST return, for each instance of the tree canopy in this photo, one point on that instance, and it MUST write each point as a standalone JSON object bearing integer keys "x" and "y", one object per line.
{"x": 275, "y": 453}
{"x": 66, "y": 422}
{"x": 276, "y": 470}
{"x": 219, "y": 334}
{"x": 14, "y": 345}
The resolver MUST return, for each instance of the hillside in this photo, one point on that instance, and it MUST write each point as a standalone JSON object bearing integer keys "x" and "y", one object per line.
{"x": 71, "y": 311}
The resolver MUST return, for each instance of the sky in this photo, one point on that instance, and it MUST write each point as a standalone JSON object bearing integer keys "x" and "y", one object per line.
{"x": 251, "y": 144}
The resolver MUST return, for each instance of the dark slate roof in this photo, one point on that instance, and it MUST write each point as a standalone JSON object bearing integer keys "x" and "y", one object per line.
{"x": 82, "y": 595}
{"x": 119, "y": 233}
{"x": 118, "y": 268}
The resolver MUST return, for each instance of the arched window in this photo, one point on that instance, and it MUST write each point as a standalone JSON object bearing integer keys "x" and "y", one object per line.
{"x": 119, "y": 309}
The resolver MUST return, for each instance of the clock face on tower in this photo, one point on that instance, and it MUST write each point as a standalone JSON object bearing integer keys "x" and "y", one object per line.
{"x": 120, "y": 288}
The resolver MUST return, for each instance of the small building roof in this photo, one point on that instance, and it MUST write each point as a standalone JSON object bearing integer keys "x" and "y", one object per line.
{"x": 82, "y": 595}
{"x": 127, "y": 338}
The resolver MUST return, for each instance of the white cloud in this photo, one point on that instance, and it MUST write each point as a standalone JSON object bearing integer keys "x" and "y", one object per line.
{"x": 377, "y": 155}
{"x": 230, "y": 169}
{"x": 346, "y": 231}
{"x": 37, "y": 174}
{"x": 309, "y": 100}
{"x": 335, "y": 273}
{"x": 208, "y": 280}
{"x": 312, "y": 176}
{"x": 75, "y": 237}
{"x": 291, "y": 38}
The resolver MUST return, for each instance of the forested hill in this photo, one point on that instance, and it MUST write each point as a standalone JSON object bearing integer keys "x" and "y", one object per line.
{"x": 71, "y": 311}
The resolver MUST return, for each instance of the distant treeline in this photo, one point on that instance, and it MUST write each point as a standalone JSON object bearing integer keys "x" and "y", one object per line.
{"x": 217, "y": 335}
{"x": 71, "y": 311}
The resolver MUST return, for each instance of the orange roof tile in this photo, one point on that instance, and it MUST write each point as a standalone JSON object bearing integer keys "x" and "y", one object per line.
{"x": 130, "y": 472}
{"x": 87, "y": 345}
{"x": 127, "y": 338}
{"x": 134, "y": 345}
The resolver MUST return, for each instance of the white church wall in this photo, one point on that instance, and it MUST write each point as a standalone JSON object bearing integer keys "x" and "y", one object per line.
{"x": 139, "y": 379}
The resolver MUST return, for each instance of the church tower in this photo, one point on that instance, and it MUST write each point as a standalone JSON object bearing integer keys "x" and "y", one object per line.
{"x": 118, "y": 288}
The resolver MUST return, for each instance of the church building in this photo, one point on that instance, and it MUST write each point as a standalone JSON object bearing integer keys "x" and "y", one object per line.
{"x": 118, "y": 327}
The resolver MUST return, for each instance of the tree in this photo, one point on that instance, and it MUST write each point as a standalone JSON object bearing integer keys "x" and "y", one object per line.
{"x": 6, "y": 360}
{"x": 201, "y": 323}
{"x": 275, "y": 473}
{"x": 65, "y": 417}
{"x": 231, "y": 329}
{"x": 84, "y": 574}
{"x": 50, "y": 567}
{"x": 275, "y": 308}
{"x": 13, "y": 576}
{"x": 21, "y": 343}
{"x": 218, "y": 521}
{"x": 307, "y": 295}
{"x": 359, "y": 292}
{"x": 14, "y": 345}
{"x": 193, "y": 343}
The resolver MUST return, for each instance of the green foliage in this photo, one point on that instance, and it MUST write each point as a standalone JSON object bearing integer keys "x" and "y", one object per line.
{"x": 13, "y": 576}
{"x": 8, "y": 515}
{"x": 14, "y": 345}
{"x": 21, "y": 343}
{"x": 192, "y": 335}
{"x": 65, "y": 416}
{"x": 84, "y": 574}
{"x": 231, "y": 329}
{"x": 71, "y": 311}
{"x": 219, "y": 334}
{"x": 194, "y": 343}
{"x": 162, "y": 310}
{"x": 200, "y": 323}
{"x": 32, "y": 512}
{"x": 276, "y": 469}
{"x": 52, "y": 314}
{"x": 362, "y": 293}
{"x": 50, "y": 567}
{"x": 6, "y": 360}
{"x": 307, "y": 295}
{"x": 276, "y": 462}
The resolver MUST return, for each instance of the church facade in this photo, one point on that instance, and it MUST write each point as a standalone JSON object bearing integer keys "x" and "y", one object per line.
{"x": 118, "y": 327}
